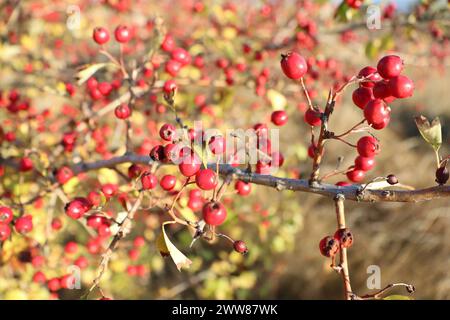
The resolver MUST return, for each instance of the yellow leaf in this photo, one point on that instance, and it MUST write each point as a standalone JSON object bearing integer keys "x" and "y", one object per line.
{"x": 88, "y": 71}
{"x": 166, "y": 247}
{"x": 277, "y": 100}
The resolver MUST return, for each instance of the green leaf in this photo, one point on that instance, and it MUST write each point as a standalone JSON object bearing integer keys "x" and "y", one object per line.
{"x": 397, "y": 297}
{"x": 166, "y": 248}
{"x": 432, "y": 133}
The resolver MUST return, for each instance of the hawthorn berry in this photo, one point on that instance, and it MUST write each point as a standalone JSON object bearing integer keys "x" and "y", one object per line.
{"x": 293, "y": 65}
{"x": 100, "y": 35}
{"x": 381, "y": 90}
{"x": 361, "y": 96}
{"x": 328, "y": 246}
{"x": 25, "y": 164}
{"x": 169, "y": 86}
{"x": 77, "y": 207}
{"x": 390, "y": 66}
{"x": 173, "y": 67}
{"x": 56, "y": 224}
{"x": 240, "y": 246}
{"x": 134, "y": 171}
{"x": 122, "y": 111}
{"x": 214, "y": 213}
{"x": 354, "y": 4}
{"x": 364, "y": 163}
{"x": 242, "y": 188}
{"x": 206, "y": 179}
{"x": 81, "y": 262}
{"x": 376, "y": 112}
{"x": 168, "y": 44}
{"x": 64, "y": 174}
{"x": 313, "y": 117}
{"x": 344, "y": 237}
{"x": 122, "y": 34}
{"x": 217, "y": 145}
{"x": 24, "y": 224}
{"x": 442, "y": 175}
{"x": 157, "y": 153}
{"x": 94, "y": 198}
{"x": 71, "y": 247}
{"x": 355, "y": 175}
{"x": 370, "y": 76}
{"x": 368, "y": 146}
{"x": 54, "y": 284}
{"x": 6, "y": 215}
{"x": 109, "y": 190}
{"x": 5, "y": 232}
{"x": 168, "y": 182}
{"x": 148, "y": 181}
{"x": 39, "y": 277}
{"x": 181, "y": 55}
{"x": 190, "y": 165}
{"x": 279, "y": 118}
{"x": 401, "y": 87}
{"x": 167, "y": 132}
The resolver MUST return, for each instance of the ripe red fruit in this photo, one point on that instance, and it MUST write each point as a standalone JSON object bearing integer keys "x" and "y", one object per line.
{"x": 368, "y": 146}
{"x": 355, "y": 4}
{"x": 206, "y": 179}
{"x": 328, "y": 246}
{"x": 390, "y": 66}
{"x": 122, "y": 111}
{"x": 190, "y": 165}
{"x": 100, "y": 35}
{"x": 361, "y": 96}
{"x": 25, "y": 164}
{"x": 313, "y": 117}
{"x": 214, "y": 213}
{"x": 134, "y": 171}
{"x": 173, "y": 67}
{"x": 167, "y": 132}
{"x": 382, "y": 125}
{"x": 94, "y": 198}
{"x": 122, "y": 34}
{"x": 6, "y": 215}
{"x": 39, "y": 277}
{"x": 293, "y": 65}
{"x": 370, "y": 75}
{"x": 217, "y": 144}
{"x": 56, "y": 224}
{"x": 77, "y": 208}
{"x": 71, "y": 247}
{"x": 54, "y": 284}
{"x": 139, "y": 242}
{"x": 401, "y": 87}
{"x": 343, "y": 184}
{"x": 381, "y": 90}
{"x": 109, "y": 190}
{"x": 81, "y": 262}
{"x": 243, "y": 188}
{"x": 356, "y": 175}
{"x": 5, "y": 232}
{"x": 64, "y": 174}
{"x": 168, "y": 43}
{"x": 148, "y": 181}
{"x": 279, "y": 117}
{"x": 181, "y": 55}
{"x": 24, "y": 224}
{"x": 376, "y": 112}
{"x": 168, "y": 182}
{"x": 169, "y": 86}
{"x": 345, "y": 237}
{"x": 240, "y": 246}
{"x": 157, "y": 153}
{"x": 364, "y": 163}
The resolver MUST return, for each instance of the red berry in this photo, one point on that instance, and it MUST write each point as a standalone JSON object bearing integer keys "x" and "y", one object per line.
{"x": 382, "y": 125}
{"x": 139, "y": 242}
{"x": 190, "y": 165}
{"x": 6, "y": 215}
{"x": 24, "y": 224}
{"x": 134, "y": 171}
{"x": 148, "y": 181}
{"x": 5, "y": 232}
{"x": 94, "y": 198}
{"x": 169, "y": 86}
{"x": 39, "y": 277}
{"x": 355, "y": 4}
{"x": 390, "y": 66}
{"x": 173, "y": 67}
{"x": 54, "y": 284}
{"x": 364, "y": 163}
{"x": 214, "y": 213}
{"x": 313, "y": 117}
{"x": 344, "y": 237}
{"x": 157, "y": 153}
{"x": 401, "y": 87}
{"x": 368, "y": 146}
{"x": 343, "y": 184}
{"x": 355, "y": 175}
{"x": 217, "y": 145}
{"x": 181, "y": 55}
{"x": 168, "y": 182}
{"x": 122, "y": 34}
{"x": 122, "y": 111}
{"x": 293, "y": 65}
{"x": 376, "y": 112}
{"x": 167, "y": 132}
{"x": 64, "y": 174}
{"x": 56, "y": 224}
{"x": 206, "y": 179}
{"x": 328, "y": 246}
{"x": 370, "y": 75}
{"x": 26, "y": 164}
{"x": 168, "y": 43}
{"x": 240, "y": 246}
{"x": 71, "y": 247}
{"x": 279, "y": 118}
{"x": 81, "y": 262}
{"x": 361, "y": 96}
{"x": 243, "y": 188}
{"x": 381, "y": 90}
{"x": 109, "y": 190}
{"x": 100, "y": 35}
{"x": 77, "y": 207}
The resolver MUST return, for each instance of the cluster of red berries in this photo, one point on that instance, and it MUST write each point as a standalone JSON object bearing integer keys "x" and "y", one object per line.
{"x": 122, "y": 34}
{"x": 22, "y": 225}
{"x": 330, "y": 245}
{"x": 368, "y": 147}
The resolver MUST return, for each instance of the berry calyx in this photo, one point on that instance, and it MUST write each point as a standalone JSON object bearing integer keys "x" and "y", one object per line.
{"x": 100, "y": 35}
{"x": 214, "y": 213}
{"x": 206, "y": 179}
{"x": 240, "y": 246}
{"x": 368, "y": 146}
{"x": 344, "y": 237}
{"x": 328, "y": 246}
{"x": 390, "y": 66}
{"x": 293, "y": 65}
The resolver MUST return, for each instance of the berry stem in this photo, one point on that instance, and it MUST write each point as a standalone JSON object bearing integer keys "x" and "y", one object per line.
{"x": 305, "y": 91}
